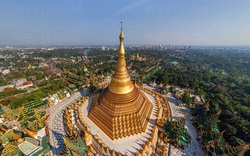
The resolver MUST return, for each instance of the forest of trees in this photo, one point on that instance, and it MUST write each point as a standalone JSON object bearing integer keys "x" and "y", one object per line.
{"x": 204, "y": 72}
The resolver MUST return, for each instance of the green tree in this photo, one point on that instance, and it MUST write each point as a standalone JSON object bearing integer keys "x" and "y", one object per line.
{"x": 161, "y": 76}
{"x": 172, "y": 89}
{"x": 186, "y": 98}
{"x": 233, "y": 140}
{"x": 200, "y": 92}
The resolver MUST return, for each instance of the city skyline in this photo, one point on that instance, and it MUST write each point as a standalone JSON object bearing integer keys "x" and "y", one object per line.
{"x": 45, "y": 23}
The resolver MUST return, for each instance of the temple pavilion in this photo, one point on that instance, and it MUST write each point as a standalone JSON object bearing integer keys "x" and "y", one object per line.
{"x": 32, "y": 119}
{"x": 177, "y": 133}
{"x": 212, "y": 138}
{"x": 121, "y": 109}
{"x": 75, "y": 147}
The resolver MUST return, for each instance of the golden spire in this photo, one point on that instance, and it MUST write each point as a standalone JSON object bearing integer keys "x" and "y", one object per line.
{"x": 121, "y": 35}
{"x": 121, "y": 81}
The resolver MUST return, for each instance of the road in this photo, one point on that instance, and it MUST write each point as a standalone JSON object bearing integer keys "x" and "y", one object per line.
{"x": 55, "y": 121}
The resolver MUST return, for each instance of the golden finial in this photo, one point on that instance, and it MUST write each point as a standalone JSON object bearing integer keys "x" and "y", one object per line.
{"x": 121, "y": 81}
{"x": 121, "y": 34}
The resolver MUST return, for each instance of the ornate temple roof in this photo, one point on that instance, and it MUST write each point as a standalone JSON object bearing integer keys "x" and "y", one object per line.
{"x": 213, "y": 138}
{"x": 177, "y": 132}
{"x": 209, "y": 121}
{"x": 75, "y": 146}
{"x": 31, "y": 118}
{"x": 11, "y": 149}
{"x": 10, "y": 135}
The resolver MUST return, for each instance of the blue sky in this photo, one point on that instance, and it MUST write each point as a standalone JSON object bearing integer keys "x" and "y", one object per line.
{"x": 146, "y": 22}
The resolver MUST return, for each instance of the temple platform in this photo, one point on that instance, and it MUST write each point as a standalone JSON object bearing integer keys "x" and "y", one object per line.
{"x": 127, "y": 145}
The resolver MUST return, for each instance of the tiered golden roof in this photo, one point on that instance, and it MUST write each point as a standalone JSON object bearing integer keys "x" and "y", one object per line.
{"x": 120, "y": 110}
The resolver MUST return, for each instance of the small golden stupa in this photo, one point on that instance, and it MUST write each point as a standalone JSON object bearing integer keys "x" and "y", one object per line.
{"x": 87, "y": 138}
{"x": 121, "y": 109}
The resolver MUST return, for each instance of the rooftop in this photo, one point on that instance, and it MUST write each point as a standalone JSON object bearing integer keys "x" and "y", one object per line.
{"x": 28, "y": 147}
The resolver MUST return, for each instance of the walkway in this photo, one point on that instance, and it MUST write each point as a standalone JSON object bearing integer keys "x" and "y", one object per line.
{"x": 55, "y": 121}
{"x": 178, "y": 112}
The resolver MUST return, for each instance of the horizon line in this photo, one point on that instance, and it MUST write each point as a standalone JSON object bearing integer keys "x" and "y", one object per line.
{"x": 116, "y": 45}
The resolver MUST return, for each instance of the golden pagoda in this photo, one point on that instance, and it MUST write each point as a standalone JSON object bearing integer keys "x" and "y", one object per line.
{"x": 87, "y": 138}
{"x": 121, "y": 109}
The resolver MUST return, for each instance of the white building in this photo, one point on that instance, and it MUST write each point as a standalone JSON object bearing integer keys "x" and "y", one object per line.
{"x": 19, "y": 81}
{"x": 6, "y": 86}
{"x": 5, "y": 71}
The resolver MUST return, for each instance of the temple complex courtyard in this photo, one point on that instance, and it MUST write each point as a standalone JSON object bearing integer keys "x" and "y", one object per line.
{"x": 120, "y": 117}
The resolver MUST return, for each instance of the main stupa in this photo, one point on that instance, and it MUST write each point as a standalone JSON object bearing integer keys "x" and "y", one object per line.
{"x": 121, "y": 109}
